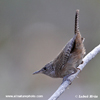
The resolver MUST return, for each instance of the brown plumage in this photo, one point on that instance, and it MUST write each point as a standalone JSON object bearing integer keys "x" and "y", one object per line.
{"x": 66, "y": 63}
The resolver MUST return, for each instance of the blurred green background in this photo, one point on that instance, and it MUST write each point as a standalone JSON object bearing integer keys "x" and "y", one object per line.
{"x": 32, "y": 33}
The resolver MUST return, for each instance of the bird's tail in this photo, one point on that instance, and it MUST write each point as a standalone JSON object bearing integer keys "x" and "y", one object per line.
{"x": 77, "y": 22}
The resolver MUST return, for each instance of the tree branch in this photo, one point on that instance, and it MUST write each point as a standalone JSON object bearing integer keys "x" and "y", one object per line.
{"x": 65, "y": 84}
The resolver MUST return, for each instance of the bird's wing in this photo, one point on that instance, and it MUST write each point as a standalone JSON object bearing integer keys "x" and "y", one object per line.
{"x": 62, "y": 58}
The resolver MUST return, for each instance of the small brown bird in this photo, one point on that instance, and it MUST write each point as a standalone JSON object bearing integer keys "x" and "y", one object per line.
{"x": 66, "y": 63}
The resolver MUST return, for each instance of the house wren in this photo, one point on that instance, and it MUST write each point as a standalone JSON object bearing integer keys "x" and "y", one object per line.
{"x": 66, "y": 63}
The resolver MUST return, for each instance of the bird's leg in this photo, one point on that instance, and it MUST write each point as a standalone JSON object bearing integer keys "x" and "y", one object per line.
{"x": 66, "y": 77}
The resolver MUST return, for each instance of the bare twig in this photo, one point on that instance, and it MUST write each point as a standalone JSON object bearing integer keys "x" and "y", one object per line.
{"x": 65, "y": 84}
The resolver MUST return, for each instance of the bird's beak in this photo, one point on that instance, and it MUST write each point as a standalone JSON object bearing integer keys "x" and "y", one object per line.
{"x": 37, "y": 72}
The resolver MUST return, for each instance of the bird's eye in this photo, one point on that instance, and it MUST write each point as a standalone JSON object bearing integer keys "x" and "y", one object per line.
{"x": 45, "y": 68}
